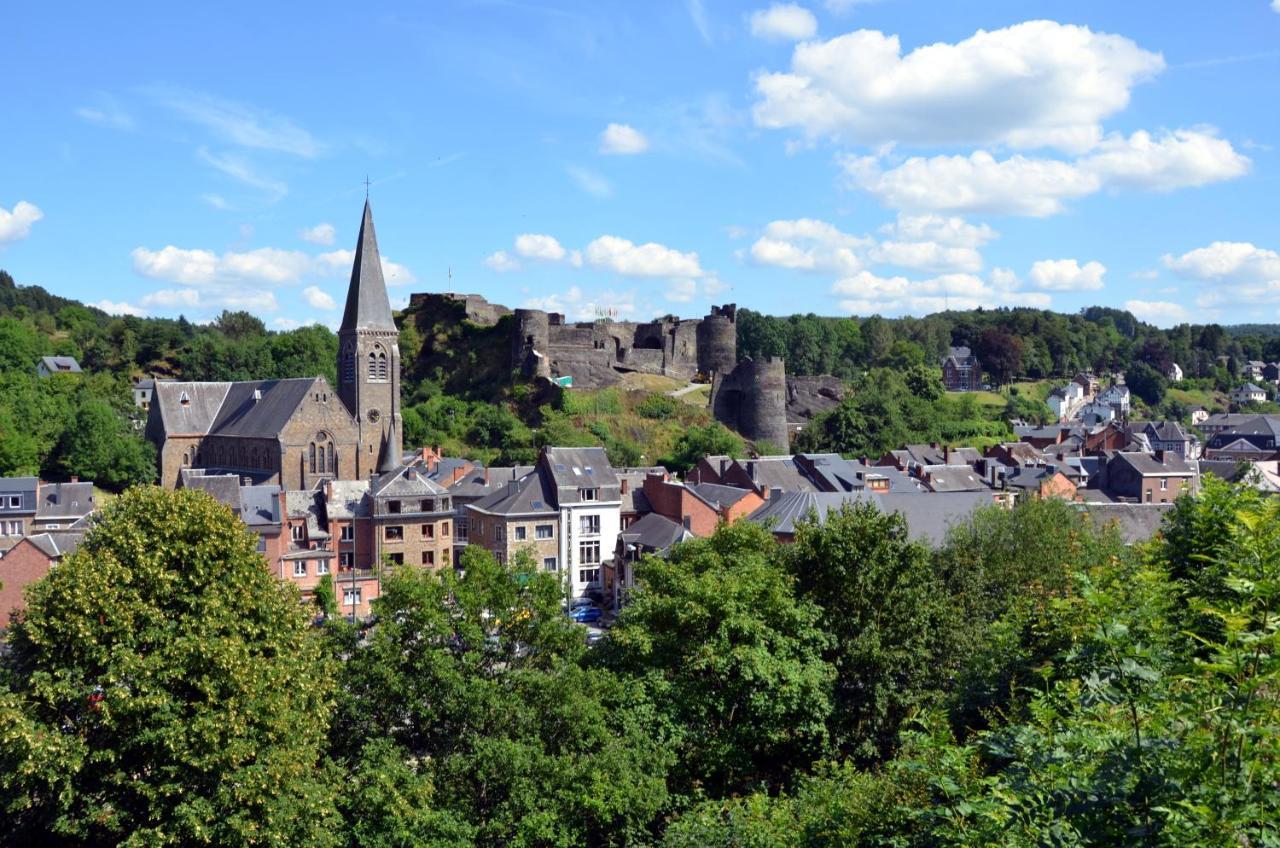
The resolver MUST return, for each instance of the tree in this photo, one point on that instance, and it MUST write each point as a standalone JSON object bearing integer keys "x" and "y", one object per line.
{"x": 162, "y": 688}
{"x": 326, "y": 600}
{"x": 732, "y": 659}
{"x": 714, "y": 439}
{"x": 888, "y": 618}
{"x": 1146, "y": 383}
{"x": 1000, "y": 353}
{"x": 100, "y": 447}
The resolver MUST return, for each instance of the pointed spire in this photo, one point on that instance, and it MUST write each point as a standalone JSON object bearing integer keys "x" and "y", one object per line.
{"x": 390, "y": 454}
{"x": 367, "y": 305}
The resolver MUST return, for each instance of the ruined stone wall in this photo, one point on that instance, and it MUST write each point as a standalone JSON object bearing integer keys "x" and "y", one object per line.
{"x": 752, "y": 399}
{"x": 808, "y": 396}
{"x": 475, "y": 307}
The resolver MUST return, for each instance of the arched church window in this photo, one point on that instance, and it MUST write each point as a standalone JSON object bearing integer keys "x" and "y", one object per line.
{"x": 312, "y": 457}
{"x": 378, "y": 368}
{"x": 348, "y": 363}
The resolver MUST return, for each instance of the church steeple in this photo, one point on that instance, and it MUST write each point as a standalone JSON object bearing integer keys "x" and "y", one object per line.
{"x": 369, "y": 357}
{"x": 367, "y": 305}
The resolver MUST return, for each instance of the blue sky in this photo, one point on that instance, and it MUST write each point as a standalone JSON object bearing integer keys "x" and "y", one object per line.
{"x": 833, "y": 156}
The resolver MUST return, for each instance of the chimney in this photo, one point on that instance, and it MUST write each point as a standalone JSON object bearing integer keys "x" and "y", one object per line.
{"x": 486, "y": 475}
{"x": 751, "y": 469}
{"x": 625, "y": 484}
{"x": 775, "y": 492}
{"x": 946, "y": 455}
{"x": 284, "y": 507}
{"x": 75, "y": 479}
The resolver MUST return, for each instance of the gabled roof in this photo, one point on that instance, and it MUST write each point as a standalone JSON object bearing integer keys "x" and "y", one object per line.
{"x": 573, "y": 469}
{"x": 1250, "y": 388}
{"x": 261, "y": 408}
{"x": 953, "y": 478}
{"x": 408, "y": 481}
{"x": 367, "y": 305}
{"x": 25, "y": 486}
{"x": 1030, "y": 477}
{"x": 188, "y": 408}
{"x": 64, "y": 364}
{"x": 532, "y": 494}
{"x": 930, "y": 517}
{"x": 784, "y": 510}
{"x": 654, "y": 532}
{"x": 717, "y": 495}
{"x": 1147, "y": 465}
{"x": 56, "y": 545}
{"x": 65, "y": 500}
{"x": 1134, "y": 522}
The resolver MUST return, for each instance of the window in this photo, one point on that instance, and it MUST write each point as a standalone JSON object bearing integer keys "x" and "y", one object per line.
{"x": 588, "y": 575}
{"x": 348, "y": 363}
{"x": 346, "y": 558}
{"x": 11, "y": 528}
{"x": 15, "y": 502}
{"x": 427, "y": 505}
{"x": 546, "y": 531}
{"x": 428, "y": 557}
{"x": 378, "y": 369}
{"x": 300, "y": 568}
{"x": 521, "y": 533}
{"x": 1148, "y": 496}
{"x": 500, "y": 532}
{"x": 588, "y": 494}
{"x": 462, "y": 531}
{"x": 589, "y": 553}
{"x": 322, "y": 566}
{"x": 351, "y": 597}
{"x": 393, "y": 507}
{"x": 393, "y": 534}
{"x": 262, "y": 544}
{"x": 590, "y": 525}
{"x": 429, "y": 530}
{"x": 298, "y": 532}
{"x": 550, "y": 564}
{"x": 1164, "y": 484}
{"x": 444, "y": 528}
{"x": 348, "y": 533}
{"x": 396, "y": 559}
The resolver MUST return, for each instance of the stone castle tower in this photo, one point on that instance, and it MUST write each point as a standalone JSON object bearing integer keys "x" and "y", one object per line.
{"x": 369, "y": 358}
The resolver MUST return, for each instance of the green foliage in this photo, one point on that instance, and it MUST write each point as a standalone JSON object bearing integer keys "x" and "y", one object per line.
{"x": 714, "y": 439}
{"x": 658, "y": 407}
{"x": 731, "y": 657}
{"x": 100, "y": 446}
{"x": 324, "y": 597}
{"x": 162, "y": 688}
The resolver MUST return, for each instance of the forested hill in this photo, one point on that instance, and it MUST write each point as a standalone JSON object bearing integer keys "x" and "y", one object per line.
{"x": 1030, "y": 343}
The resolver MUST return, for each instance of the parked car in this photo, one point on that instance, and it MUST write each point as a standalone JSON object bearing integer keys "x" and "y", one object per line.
{"x": 586, "y": 614}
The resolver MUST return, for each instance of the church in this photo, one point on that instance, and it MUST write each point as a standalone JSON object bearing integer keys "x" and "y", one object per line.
{"x": 297, "y": 433}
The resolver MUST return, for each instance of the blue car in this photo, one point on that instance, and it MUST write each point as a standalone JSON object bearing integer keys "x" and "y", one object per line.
{"x": 586, "y": 614}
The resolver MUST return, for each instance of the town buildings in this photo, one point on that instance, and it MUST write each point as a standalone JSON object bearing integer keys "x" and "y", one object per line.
{"x": 961, "y": 370}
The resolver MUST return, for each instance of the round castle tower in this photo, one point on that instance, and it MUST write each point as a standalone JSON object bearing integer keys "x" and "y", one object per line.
{"x": 718, "y": 340}
{"x": 531, "y": 332}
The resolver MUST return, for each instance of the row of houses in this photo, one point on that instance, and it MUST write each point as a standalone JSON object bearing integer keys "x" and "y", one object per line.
{"x": 1083, "y": 399}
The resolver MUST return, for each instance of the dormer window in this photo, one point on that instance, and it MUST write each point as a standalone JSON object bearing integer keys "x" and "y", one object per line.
{"x": 589, "y": 494}
{"x": 184, "y": 399}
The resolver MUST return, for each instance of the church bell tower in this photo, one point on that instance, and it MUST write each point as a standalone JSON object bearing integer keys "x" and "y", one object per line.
{"x": 369, "y": 358}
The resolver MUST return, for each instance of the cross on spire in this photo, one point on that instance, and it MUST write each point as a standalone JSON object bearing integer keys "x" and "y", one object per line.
{"x": 366, "y": 186}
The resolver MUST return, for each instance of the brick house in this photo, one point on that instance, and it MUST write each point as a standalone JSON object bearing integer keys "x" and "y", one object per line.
{"x": 1040, "y": 482}
{"x": 412, "y": 518}
{"x": 961, "y": 371}
{"x": 519, "y": 516}
{"x": 28, "y": 561}
{"x": 1148, "y": 478}
{"x": 699, "y": 507}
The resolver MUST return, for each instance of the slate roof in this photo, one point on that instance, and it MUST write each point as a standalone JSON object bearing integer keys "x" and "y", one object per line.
{"x": 348, "y": 499}
{"x": 367, "y": 305}
{"x": 241, "y": 414}
{"x": 1250, "y": 388}
{"x": 1225, "y": 469}
{"x": 776, "y": 472}
{"x": 930, "y": 517}
{"x": 473, "y": 485}
{"x": 64, "y": 500}
{"x": 256, "y": 506}
{"x": 532, "y": 494}
{"x": 309, "y": 506}
{"x": 1135, "y": 522}
{"x": 784, "y": 510}
{"x": 716, "y": 494}
{"x": 1147, "y": 465}
{"x": 1161, "y": 431}
{"x": 197, "y": 415}
{"x": 654, "y": 532}
{"x": 409, "y": 481}
{"x": 961, "y": 357}
{"x": 60, "y": 364}
{"x": 1029, "y": 477}
{"x": 24, "y": 486}
{"x": 56, "y": 545}
{"x": 953, "y": 478}
{"x": 572, "y": 469}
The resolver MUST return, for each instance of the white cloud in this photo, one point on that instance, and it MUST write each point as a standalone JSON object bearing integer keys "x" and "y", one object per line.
{"x": 172, "y": 298}
{"x": 783, "y": 21}
{"x": 318, "y": 298}
{"x": 239, "y": 123}
{"x": 285, "y": 323}
{"x": 927, "y": 256}
{"x": 589, "y": 181}
{"x": 1035, "y": 84}
{"x": 975, "y": 183}
{"x": 839, "y": 7}
{"x": 114, "y": 308}
{"x": 217, "y": 201}
{"x": 238, "y": 169}
{"x": 807, "y": 244}
{"x": 15, "y": 224}
{"x": 539, "y": 246}
{"x": 623, "y": 140}
{"x": 202, "y": 267}
{"x": 502, "y": 262}
{"x": 1037, "y": 187}
{"x": 1275, "y": 5}
{"x": 1067, "y": 275}
{"x": 107, "y": 113}
{"x": 340, "y": 261}
{"x": 1177, "y": 159}
{"x": 651, "y": 259}
{"x": 577, "y": 305}
{"x": 1162, "y": 313}
{"x": 319, "y": 234}
{"x": 953, "y": 231}
{"x": 698, "y": 14}
{"x": 865, "y": 293}
{"x": 1239, "y": 269}
{"x": 1145, "y": 274}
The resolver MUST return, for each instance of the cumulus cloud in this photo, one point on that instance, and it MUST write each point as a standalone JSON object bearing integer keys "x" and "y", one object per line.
{"x": 1035, "y": 84}
{"x": 318, "y": 298}
{"x": 953, "y": 231}
{"x": 203, "y": 267}
{"x": 319, "y": 234}
{"x": 115, "y": 308}
{"x": 1067, "y": 275}
{"x": 1162, "y": 313}
{"x": 866, "y": 293}
{"x": 622, "y": 140}
{"x": 621, "y": 256}
{"x": 811, "y": 245}
{"x": 783, "y": 21}
{"x": 926, "y": 256}
{"x": 539, "y": 246}
{"x": 172, "y": 298}
{"x": 577, "y": 305}
{"x": 285, "y": 323}
{"x": 15, "y": 224}
{"x": 502, "y": 262}
{"x": 1240, "y": 269}
{"x": 1037, "y": 187}
{"x": 807, "y": 244}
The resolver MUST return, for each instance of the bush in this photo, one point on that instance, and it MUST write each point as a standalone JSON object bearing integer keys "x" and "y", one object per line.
{"x": 657, "y": 407}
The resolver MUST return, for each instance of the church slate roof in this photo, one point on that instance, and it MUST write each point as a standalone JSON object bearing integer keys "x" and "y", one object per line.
{"x": 243, "y": 415}
{"x": 367, "y": 305}
{"x": 196, "y": 416}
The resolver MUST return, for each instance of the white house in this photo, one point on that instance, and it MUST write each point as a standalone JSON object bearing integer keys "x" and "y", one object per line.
{"x": 1175, "y": 373}
{"x": 1063, "y": 400}
{"x": 589, "y": 496}
{"x": 1097, "y": 413}
{"x": 1249, "y": 393}
{"x": 1117, "y": 397}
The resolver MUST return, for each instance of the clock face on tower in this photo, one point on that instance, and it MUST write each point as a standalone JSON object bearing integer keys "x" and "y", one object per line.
{"x": 373, "y": 416}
